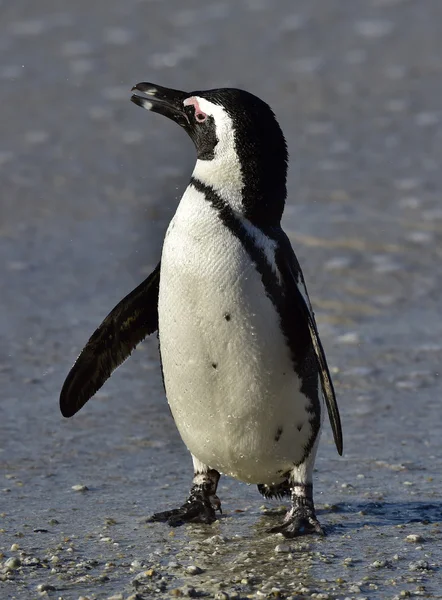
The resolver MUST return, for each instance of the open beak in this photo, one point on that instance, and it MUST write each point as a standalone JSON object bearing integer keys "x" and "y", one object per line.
{"x": 161, "y": 100}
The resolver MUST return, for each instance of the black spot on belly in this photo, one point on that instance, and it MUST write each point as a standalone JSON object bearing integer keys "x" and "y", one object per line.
{"x": 278, "y": 434}
{"x": 214, "y": 365}
{"x": 300, "y": 426}
{"x": 227, "y": 317}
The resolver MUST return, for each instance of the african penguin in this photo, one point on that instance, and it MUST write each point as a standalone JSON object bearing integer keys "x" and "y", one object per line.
{"x": 244, "y": 370}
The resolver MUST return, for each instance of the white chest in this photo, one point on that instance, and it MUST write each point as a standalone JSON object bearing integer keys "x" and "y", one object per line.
{"x": 227, "y": 369}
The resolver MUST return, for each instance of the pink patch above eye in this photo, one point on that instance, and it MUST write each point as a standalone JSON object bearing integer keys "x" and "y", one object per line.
{"x": 200, "y": 115}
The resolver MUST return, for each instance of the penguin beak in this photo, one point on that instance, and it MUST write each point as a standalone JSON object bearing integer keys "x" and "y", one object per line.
{"x": 161, "y": 100}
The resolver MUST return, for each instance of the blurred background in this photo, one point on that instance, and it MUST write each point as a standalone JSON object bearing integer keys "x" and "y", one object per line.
{"x": 88, "y": 185}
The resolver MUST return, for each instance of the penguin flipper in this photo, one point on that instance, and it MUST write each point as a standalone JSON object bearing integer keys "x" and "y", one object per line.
{"x": 294, "y": 282}
{"x": 327, "y": 385}
{"x": 134, "y": 317}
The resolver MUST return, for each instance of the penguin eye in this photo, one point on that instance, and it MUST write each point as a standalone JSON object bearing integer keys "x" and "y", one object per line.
{"x": 200, "y": 117}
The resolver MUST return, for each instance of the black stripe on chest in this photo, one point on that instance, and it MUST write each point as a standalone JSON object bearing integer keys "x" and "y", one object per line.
{"x": 293, "y": 323}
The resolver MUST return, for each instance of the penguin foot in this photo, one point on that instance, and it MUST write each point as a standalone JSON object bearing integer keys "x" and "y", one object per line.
{"x": 194, "y": 510}
{"x": 200, "y": 507}
{"x": 299, "y": 520}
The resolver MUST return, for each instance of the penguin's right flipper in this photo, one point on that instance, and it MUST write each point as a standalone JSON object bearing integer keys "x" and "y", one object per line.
{"x": 134, "y": 318}
{"x": 294, "y": 283}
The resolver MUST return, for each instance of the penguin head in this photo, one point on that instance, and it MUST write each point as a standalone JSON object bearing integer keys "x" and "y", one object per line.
{"x": 241, "y": 150}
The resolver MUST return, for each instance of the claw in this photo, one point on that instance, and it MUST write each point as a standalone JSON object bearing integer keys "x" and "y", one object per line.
{"x": 298, "y": 526}
{"x": 192, "y": 511}
{"x": 300, "y": 520}
{"x": 201, "y": 505}
{"x": 163, "y": 517}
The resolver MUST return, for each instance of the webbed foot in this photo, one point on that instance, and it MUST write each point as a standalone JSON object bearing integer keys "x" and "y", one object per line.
{"x": 301, "y": 518}
{"x": 200, "y": 507}
{"x": 194, "y": 510}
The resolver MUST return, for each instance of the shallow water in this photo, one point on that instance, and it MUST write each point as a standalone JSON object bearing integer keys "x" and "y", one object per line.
{"x": 89, "y": 184}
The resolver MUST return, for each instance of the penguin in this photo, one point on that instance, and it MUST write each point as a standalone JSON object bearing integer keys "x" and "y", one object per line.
{"x": 244, "y": 370}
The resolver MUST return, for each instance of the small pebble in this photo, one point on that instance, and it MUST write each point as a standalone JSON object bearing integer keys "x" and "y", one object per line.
{"x": 215, "y": 540}
{"x": 13, "y": 563}
{"x": 80, "y": 488}
{"x": 414, "y": 538}
{"x": 193, "y": 570}
{"x": 31, "y": 561}
{"x": 282, "y": 548}
{"x": 419, "y": 565}
{"x": 354, "y": 589}
{"x": 45, "y": 587}
{"x": 15, "y": 547}
{"x": 136, "y": 564}
{"x": 378, "y": 564}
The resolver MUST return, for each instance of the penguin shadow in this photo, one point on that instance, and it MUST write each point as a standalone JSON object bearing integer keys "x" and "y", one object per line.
{"x": 356, "y": 515}
{"x": 381, "y": 514}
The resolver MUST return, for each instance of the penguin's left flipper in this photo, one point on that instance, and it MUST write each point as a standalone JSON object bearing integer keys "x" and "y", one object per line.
{"x": 294, "y": 285}
{"x": 134, "y": 318}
